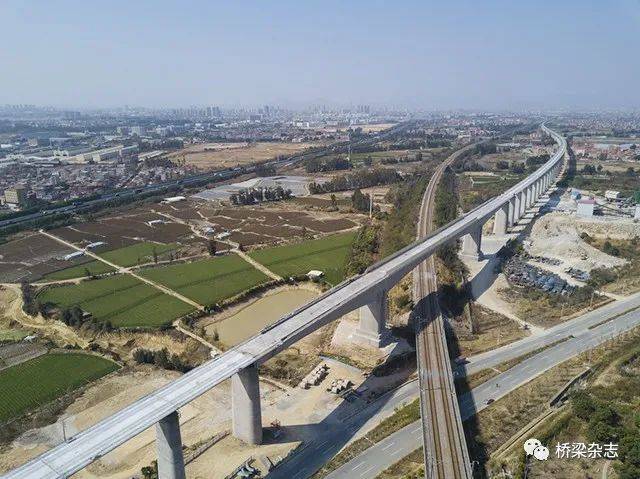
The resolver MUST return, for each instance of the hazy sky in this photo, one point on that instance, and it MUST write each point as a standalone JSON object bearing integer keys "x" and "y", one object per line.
{"x": 422, "y": 54}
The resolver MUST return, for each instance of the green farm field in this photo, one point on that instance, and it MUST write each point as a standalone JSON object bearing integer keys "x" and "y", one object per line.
{"x": 26, "y": 386}
{"x": 12, "y": 335}
{"x": 136, "y": 254}
{"x": 328, "y": 254}
{"x": 122, "y": 299}
{"x": 93, "y": 267}
{"x": 208, "y": 281}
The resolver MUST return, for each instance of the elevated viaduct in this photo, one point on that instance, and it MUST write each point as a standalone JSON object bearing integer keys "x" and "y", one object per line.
{"x": 367, "y": 291}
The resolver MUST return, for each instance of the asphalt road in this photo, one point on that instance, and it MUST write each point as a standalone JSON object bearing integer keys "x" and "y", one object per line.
{"x": 387, "y": 452}
{"x": 338, "y": 432}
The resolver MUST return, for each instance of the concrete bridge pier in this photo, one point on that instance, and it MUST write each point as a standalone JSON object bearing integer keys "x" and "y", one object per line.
{"x": 501, "y": 220}
{"x": 373, "y": 320}
{"x": 245, "y": 403}
{"x": 515, "y": 209}
{"x": 169, "y": 447}
{"x": 471, "y": 244}
{"x": 530, "y": 199}
{"x": 512, "y": 217}
{"x": 523, "y": 203}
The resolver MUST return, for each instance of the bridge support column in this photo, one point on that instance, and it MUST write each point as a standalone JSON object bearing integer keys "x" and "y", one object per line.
{"x": 529, "y": 196}
{"x": 373, "y": 320}
{"x": 500, "y": 220}
{"x": 523, "y": 203}
{"x": 169, "y": 446}
{"x": 511, "y": 215}
{"x": 245, "y": 402}
{"x": 471, "y": 244}
{"x": 516, "y": 209}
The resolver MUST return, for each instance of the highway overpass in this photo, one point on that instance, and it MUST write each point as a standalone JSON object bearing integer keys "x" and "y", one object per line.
{"x": 367, "y": 291}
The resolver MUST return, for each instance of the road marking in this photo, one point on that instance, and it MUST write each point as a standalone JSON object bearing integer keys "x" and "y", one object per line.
{"x": 417, "y": 430}
{"x": 301, "y": 473}
{"x": 388, "y": 446}
{"x": 397, "y": 451}
{"x": 365, "y": 472}
{"x": 318, "y": 446}
{"x": 356, "y": 467}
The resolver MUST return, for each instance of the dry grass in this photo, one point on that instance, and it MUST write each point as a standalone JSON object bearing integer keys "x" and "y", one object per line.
{"x": 546, "y": 309}
{"x": 409, "y": 467}
{"x": 493, "y": 330}
{"x": 234, "y": 154}
{"x": 499, "y": 422}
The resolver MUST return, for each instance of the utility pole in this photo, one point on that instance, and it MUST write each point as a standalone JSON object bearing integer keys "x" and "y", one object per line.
{"x": 370, "y": 205}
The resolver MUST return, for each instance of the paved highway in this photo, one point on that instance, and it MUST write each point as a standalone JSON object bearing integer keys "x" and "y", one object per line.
{"x": 388, "y": 451}
{"x": 94, "y": 442}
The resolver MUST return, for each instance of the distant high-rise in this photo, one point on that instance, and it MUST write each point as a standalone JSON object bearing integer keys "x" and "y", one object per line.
{"x": 213, "y": 112}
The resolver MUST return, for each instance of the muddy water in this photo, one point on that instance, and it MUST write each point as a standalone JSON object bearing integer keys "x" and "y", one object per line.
{"x": 263, "y": 312}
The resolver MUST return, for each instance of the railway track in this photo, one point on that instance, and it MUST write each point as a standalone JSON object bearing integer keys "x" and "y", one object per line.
{"x": 445, "y": 448}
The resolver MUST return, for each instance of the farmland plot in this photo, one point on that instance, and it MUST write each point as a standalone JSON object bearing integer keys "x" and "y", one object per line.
{"x": 328, "y": 254}
{"x": 208, "y": 281}
{"x": 28, "y": 385}
{"x": 123, "y": 300}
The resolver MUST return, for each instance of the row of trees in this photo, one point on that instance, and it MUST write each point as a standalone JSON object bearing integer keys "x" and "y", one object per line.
{"x": 251, "y": 196}
{"x": 357, "y": 179}
{"x": 332, "y": 163}
{"x": 162, "y": 359}
{"x": 76, "y": 318}
{"x": 364, "y": 249}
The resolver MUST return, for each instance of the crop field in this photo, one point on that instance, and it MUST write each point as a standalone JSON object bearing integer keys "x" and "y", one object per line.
{"x": 139, "y": 253}
{"x": 125, "y": 230}
{"x": 208, "y": 281}
{"x": 123, "y": 300}
{"x": 263, "y": 225}
{"x": 31, "y": 257}
{"x": 328, "y": 254}
{"x": 28, "y": 385}
{"x": 92, "y": 268}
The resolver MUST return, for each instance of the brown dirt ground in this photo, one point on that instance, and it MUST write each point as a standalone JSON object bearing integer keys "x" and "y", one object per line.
{"x": 30, "y": 257}
{"x": 234, "y": 154}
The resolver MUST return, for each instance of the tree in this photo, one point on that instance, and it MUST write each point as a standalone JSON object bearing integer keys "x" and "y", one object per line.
{"x": 517, "y": 168}
{"x": 334, "y": 202}
{"x": 611, "y": 250}
{"x": 360, "y": 201}
{"x": 630, "y": 455}
{"x": 155, "y": 255}
{"x": 583, "y": 405}
{"x": 211, "y": 247}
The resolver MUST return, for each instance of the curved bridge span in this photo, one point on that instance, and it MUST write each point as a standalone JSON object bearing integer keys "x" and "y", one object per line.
{"x": 366, "y": 291}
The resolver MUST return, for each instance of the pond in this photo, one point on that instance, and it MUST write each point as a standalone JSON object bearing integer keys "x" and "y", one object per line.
{"x": 249, "y": 320}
